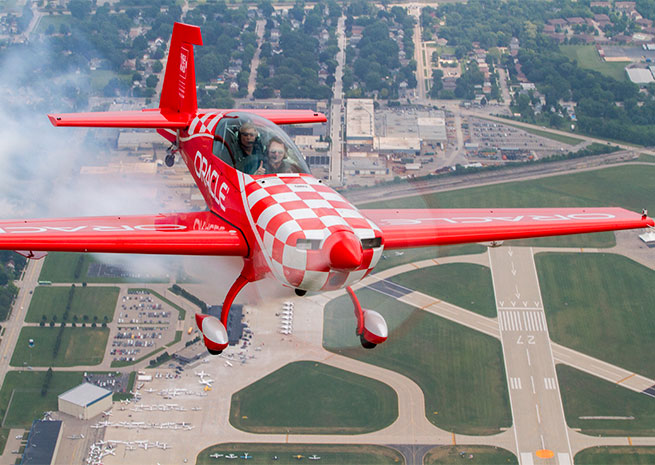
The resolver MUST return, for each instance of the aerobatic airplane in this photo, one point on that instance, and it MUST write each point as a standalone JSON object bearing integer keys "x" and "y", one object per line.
{"x": 264, "y": 205}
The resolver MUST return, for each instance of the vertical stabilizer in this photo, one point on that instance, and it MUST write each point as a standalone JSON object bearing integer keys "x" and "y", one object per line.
{"x": 179, "y": 90}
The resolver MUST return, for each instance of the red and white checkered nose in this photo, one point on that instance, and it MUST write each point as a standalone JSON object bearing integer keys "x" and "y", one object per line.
{"x": 343, "y": 251}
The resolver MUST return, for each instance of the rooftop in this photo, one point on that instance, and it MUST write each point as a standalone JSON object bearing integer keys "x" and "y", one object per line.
{"x": 85, "y": 394}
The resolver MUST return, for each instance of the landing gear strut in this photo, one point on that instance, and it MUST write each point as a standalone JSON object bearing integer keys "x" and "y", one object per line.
{"x": 170, "y": 155}
{"x": 214, "y": 330}
{"x": 371, "y": 327}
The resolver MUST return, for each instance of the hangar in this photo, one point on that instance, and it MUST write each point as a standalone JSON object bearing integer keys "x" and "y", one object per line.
{"x": 42, "y": 443}
{"x": 85, "y": 401}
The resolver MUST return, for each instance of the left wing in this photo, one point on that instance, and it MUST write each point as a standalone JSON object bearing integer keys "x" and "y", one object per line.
{"x": 429, "y": 227}
{"x": 197, "y": 233}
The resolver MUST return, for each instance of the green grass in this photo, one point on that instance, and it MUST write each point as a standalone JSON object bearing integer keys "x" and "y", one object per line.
{"x": 392, "y": 258}
{"x": 481, "y": 454}
{"x": 602, "y": 305}
{"x": 584, "y": 395}
{"x": 178, "y": 338}
{"x": 181, "y": 315}
{"x": 61, "y": 267}
{"x": 644, "y": 157}
{"x": 463, "y": 284}
{"x": 79, "y": 346}
{"x": 330, "y": 453}
{"x": 440, "y": 356}
{"x": 313, "y": 398}
{"x": 55, "y": 20}
{"x": 615, "y": 456}
{"x": 588, "y": 58}
{"x": 91, "y": 301}
{"x": 27, "y": 403}
{"x": 627, "y": 186}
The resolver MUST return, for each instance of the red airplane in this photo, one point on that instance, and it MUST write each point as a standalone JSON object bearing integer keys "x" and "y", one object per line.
{"x": 265, "y": 206}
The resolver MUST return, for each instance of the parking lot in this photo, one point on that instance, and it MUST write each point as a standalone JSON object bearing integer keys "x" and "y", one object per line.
{"x": 144, "y": 324}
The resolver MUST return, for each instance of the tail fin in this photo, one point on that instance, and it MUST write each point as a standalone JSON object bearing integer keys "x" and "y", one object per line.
{"x": 178, "y": 93}
{"x": 178, "y": 103}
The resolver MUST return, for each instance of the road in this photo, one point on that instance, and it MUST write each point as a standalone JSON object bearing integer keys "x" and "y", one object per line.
{"x": 254, "y": 64}
{"x": 337, "y": 111}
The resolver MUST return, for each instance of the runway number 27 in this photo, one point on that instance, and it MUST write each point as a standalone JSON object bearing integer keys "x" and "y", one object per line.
{"x": 530, "y": 339}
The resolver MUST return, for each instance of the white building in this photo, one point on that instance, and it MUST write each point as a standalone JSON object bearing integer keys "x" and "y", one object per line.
{"x": 85, "y": 401}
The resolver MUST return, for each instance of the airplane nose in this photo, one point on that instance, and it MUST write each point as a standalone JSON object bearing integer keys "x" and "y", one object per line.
{"x": 343, "y": 251}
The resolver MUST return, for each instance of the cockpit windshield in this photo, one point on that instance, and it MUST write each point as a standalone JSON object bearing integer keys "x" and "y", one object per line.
{"x": 255, "y": 145}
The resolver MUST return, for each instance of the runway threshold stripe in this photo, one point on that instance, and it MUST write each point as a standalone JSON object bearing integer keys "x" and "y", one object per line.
{"x": 626, "y": 378}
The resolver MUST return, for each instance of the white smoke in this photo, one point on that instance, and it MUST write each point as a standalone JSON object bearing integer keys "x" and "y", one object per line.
{"x": 40, "y": 164}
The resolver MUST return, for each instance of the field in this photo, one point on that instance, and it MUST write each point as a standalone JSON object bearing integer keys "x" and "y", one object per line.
{"x": 588, "y": 58}
{"x": 23, "y": 389}
{"x": 393, "y": 258}
{"x": 330, "y": 454}
{"x": 616, "y": 456}
{"x": 94, "y": 302}
{"x": 313, "y": 398}
{"x": 626, "y": 186}
{"x": 79, "y": 346}
{"x": 463, "y": 284}
{"x": 488, "y": 455}
{"x": 585, "y": 395}
{"x": 72, "y": 268}
{"x": 460, "y": 371}
{"x": 601, "y": 305}
{"x": 55, "y": 20}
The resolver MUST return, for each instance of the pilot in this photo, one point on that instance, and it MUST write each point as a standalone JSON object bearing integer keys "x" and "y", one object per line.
{"x": 276, "y": 161}
{"x": 249, "y": 156}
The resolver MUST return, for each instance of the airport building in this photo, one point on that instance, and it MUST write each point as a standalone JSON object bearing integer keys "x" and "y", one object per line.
{"x": 360, "y": 121}
{"x": 42, "y": 443}
{"x": 85, "y": 401}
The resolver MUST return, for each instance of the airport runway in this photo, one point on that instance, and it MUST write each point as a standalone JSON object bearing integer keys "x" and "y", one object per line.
{"x": 539, "y": 425}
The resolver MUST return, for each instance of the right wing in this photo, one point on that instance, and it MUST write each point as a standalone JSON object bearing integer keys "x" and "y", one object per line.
{"x": 196, "y": 233}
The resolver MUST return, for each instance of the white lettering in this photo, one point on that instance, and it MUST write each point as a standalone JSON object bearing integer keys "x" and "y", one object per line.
{"x": 491, "y": 219}
{"x": 160, "y": 227}
{"x": 113, "y": 228}
{"x": 210, "y": 178}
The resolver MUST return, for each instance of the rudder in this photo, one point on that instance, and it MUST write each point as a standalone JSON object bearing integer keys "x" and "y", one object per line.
{"x": 178, "y": 93}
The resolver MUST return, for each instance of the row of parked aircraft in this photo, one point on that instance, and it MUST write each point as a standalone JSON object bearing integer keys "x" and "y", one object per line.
{"x": 246, "y": 456}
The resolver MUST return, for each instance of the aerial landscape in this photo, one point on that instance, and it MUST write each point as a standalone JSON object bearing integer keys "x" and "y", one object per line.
{"x": 464, "y": 276}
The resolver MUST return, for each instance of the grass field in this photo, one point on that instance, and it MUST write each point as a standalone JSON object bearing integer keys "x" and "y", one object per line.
{"x": 463, "y": 284}
{"x": 62, "y": 268}
{"x": 616, "y": 456}
{"x": 602, "y": 305}
{"x": 79, "y": 346}
{"x": 626, "y": 186}
{"x": 486, "y": 455}
{"x": 460, "y": 371}
{"x": 588, "y": 58}
{"x": 585, "y": 395}
{"x": 393, "y": 258}
{"x": 97, "y": 302}
{"x": 330, "y": 454}
{"x": 27, "y": 404}
{"x": 55, "y": 20}
{"x": 644, "y": 157}
{"x": 313, "y": 398}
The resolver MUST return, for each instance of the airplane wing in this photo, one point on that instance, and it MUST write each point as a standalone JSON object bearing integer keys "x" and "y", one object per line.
{"x": 158, "y": 118}
{"x": 151, "y": 118}
{"x": 430, "y": 227}
{"x": 197, "y": 233}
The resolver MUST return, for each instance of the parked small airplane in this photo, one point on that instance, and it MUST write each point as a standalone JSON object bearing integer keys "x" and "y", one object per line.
{"x": 216, "y": 455}
{"x": 314, "y": 457}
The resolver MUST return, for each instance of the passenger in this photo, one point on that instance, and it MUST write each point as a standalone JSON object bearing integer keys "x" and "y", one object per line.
{"x": 249, "y": 156}
{"x": 276, "y": 160}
